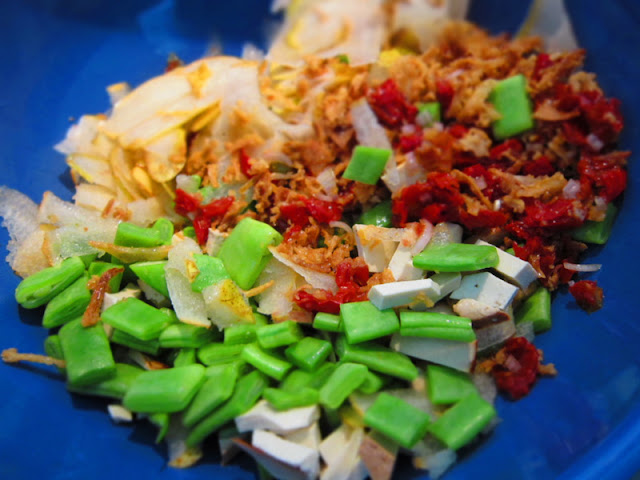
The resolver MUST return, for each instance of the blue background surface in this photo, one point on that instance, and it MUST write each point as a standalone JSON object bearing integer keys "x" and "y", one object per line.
{"x": 57, "y": 57}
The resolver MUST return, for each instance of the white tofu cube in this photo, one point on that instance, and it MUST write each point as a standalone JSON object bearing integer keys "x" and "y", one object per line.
{"x": 376, "y": 245}
{"x": 263, "y": 416}
{"x": 303, "y": 458}
{"x": 514, "y": 268}
{"x": 447, "y": 282}
{"x": 395, "y": 294}
{"x": 486, "y": 288}
{"x": 308, "y": 437}
{"x": 450, "y": 353}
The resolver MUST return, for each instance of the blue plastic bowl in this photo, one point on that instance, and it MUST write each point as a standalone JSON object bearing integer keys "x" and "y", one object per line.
{"x": 57, "y": 56}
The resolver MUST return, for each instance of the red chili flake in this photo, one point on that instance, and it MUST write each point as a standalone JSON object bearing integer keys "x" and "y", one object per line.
{"x": 245, "y": 163}
{"x": 483, "y": 219}
{"x": 539, "y": 167}
{"x": 186, "y": 202}
{"x": 295, "y": 213}
{"x": 493, "y": 190}
{"x": 390, "y": 105}
{"x": 217, "y": 208}
{"x": 322, "y": 210}
{"x": 562, "y": 213}
{"x": 435, "y": 213}
{"x": 566, "y": 100}
{"x": 543, "y": 60}
{"x": 574, "y": 134}
{"x": 408, "y": 143}
{"x": 602, "y": 115}
{"x": 320, "y": 301}
{"x": 201, "y": 225}
{"x": 512, "y": 145}
{"x": 517, "y": 374}
{"x": 444, "y": 93}
{"x": 349, "y": 275}
{"x": 605, "y": 173}
{"x": 588, "y": 295}
{"x": 458, "y": 131}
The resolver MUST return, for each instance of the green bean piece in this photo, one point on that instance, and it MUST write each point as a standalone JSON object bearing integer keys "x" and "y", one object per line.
{"x": 152, "y": 347}
{"x": 240, "y": 366}
{"x": 597, "y": 232}
{"x": 114, "y": 387}
{"x": 240, "y": 334}
{"x": 296, "y": 380}
{"x": 380, "y": 215}
{"x": 461, "y": 423}
{"x": 372, "y": 383}
{"x": 185, "y": 356}
{"x": 446, "y": 385}
{"x": 97, "y": 268}
{"x": 87, "y": 353}
{"x": 41, "y": 287}
{"x": 168, "y": 390}
{"x": 511, "y": 100}
{"x": 456, "y": 257}
{"x": 152, "y": 273}
{"x": 436, "y": 325}
{"x": 215, "y": 390}
{"x": 189, "y": 183}
{"x": 164, "y": 228}
{"x": 183, "y": 335}
{"x": 131, "y": 235}
{"x": 308, "y": 353}
{"x": 327, "y": 322}
{"x": 189, "y": 232}
{"x": 68, "y": 304}
{"x": 343, "y": 382}
{"x": 136, "y": 318}
{"x": 217, "y": 353}
{"x": 88, "y": 259}
{"x": 268, "y": 363}
{"x": 363, "y": 321}
{"x": 367, "y": 164}
{"x": 160, "y": 420}
{"x": 53, "y": 348}
{"x": 247, "y": 392}
{"x": 537, "y": 310}
{"x": 260, "y": 319}
{"x": 245, "y": 252}
{"x": 429, "y": 113}
{"x": 285, "y": 400}
{"x": 377, "y": 358}
{"x": 279, "y": 334}
{"x": 208, "y": 194}
{"x": 210, "y": 271}
{"x": 397, "y": 419}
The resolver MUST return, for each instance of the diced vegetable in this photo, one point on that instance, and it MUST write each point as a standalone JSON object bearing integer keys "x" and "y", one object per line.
{"x": 362, "y": 321}
{"x": 279, "y": 334}
{"x": 152, "y": 347}
{"x": 512, "y": 102}
{"x": 182, "y": 335}
{"x": 428, "y": 113}
{"x": 210, "y": 271}
{"x": 215, "y": 390}
{"x": 327, "y": 322}
{"x": 87, "y": 353}
{"x": 167, "y": 390}
{"x": 377, "y": 358}
{"x": 245, "y": 252}
{"x": 446, "y": 385}
{"x": 597, "y": 232}
{"x": 308, "y": 353}
{"x": 397, "y": 419}
{"x": 462, "y": 422}
{"x": 456, "y": 257}
{"x": 153, "y": 274}
{"x": 240, "y": 334}
{"x": 380, "y": 215}
{"x": 436, "y": 325}
{"x": 342, "y": 382}
{"x": 367, "y": 164}
{"x": 97, "y": 268}
{"x": 269, "y": 363}
{"x": 217, "y": 353}
{"x": 136, "y": 318}
{"x": 486, "y": 288}
{"x": 114, "y": 387}
{"x": 68, "y": 304}
{"x": 285, "y": 400}
{"x": 537, "y": 310}
{"x": 41, "y": 287}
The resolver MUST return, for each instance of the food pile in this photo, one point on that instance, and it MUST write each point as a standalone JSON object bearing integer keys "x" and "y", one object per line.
{"x": 332, "y": 255}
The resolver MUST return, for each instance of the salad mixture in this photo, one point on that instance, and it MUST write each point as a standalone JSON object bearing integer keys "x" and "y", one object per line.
{"x": 329, "y": 255}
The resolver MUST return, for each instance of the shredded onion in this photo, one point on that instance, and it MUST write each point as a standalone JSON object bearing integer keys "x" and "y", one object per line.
{"x": 582, "y": 267}
{"x": 571, "y": 189}
{"x": 423, "y": 239}
{"x": 341, "y": 225}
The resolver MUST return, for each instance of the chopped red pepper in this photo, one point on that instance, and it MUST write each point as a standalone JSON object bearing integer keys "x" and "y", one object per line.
{"x": 201, "y": 225}
{"x": 512, "y": 145}
{"x": 322, "y": 210}
{"x": 217, "y": 208}
{"x": 543, "y": 60}
{"x": 444, "y": 93}
{"x": 517, "y": 374}
{"x": 408, "y": 143}
{"x": 458, "y": 130}
{"x": 296, "y": 213}
{"x": 245, "y": 163}
{"x": 605, "y": 173}
{"x": 186, "y": 202}
{"x": 588, "y": 295}
{"x": 539, "y": 167}
{"x": 390, "y": 105}
{"x": 562, "y": 213}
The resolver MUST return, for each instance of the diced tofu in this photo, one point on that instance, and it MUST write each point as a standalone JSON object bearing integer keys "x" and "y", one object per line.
{"x": 340, "y": 451}
{"x": 447, "y": 282}
{"x": 309, "y": 436}
{"x": 401, "y": 264}
{"x": 376, "y": 245}
{"x": 450, "y": 353}
{"x": 111, "y": 299}
{"x": 263, "y": 416}
{"x": 514, "y": 268}
{"x": 486, "y": 288}
{"x": 305, "y": 459}
{"x": 395, "y": 294}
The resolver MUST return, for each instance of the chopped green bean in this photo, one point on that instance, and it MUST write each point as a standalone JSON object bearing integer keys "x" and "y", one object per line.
{"x": 87, "y": 353}
{"x": 53, "y": 348}
{"x": 185, "y": 356}
{"x": 343, "y": 382}
{"x": 308, "y": 353}
{"x": 136, "y": 318}
{"x": 512, "y": 102}
{"x": 183, "y": 335}
{"x": 268, "y": 363}
{"x": 114, "y": 387}
{"x": 367, "y": 164}
{"x": 446, "y": 385}
{"x": 279, "y": 334}
{"x": 397, "y": 419}
{"x": 168, "y": 390}
{"x": 217, "y": 353}
{"x": 41, "y": 287}
{"x": 363, "y": 321}
{"x": 247, "y": 392}
{"x": 285, "y": 400}
{"x": 537, "y": 310}
{"x": 240, "y": 334}
{"x": 457, "y": 257}
{"x": 152, "y": 347}
{"x": 152, "y": 273}
{"x": 68, "y": 304}
{"x": 210, "y": 271}
{"x": 160, "y": 420}
{"x": 377, "y": 358}
{"x": 372, "y": 383}
{"x": 436, "y": 325}
{"x": 216, "y": 390}
{"x": 380, "y": 215}
{"x": 327, "y": 322}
